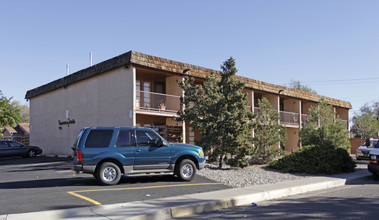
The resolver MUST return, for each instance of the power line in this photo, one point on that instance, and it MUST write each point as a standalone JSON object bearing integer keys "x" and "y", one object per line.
{"x": 341, "y": 81}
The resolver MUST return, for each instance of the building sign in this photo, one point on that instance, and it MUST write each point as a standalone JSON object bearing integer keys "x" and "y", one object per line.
{"x": 67, "y": 122}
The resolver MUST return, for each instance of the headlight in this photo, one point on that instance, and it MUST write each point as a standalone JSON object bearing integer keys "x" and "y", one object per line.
{"x": 373, "y": 157}
{"x": 201, "y": 153}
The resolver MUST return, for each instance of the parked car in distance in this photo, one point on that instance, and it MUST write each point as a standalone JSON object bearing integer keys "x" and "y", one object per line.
{"x": 108, "y": 153}
{"x": 363, "y": 152}
{"x": 14, "y": 148}
{"x": 373, "y": 165}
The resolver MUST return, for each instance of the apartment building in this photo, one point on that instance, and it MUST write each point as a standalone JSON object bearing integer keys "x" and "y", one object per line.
{"x": 136, "y": 89}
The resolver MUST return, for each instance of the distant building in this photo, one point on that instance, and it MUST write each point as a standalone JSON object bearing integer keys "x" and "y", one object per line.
{"x": 20, "y": 133}
{"x": 136, "y": 89}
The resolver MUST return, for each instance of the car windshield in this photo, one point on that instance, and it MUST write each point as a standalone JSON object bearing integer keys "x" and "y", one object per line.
{"x": 376, "y": 145}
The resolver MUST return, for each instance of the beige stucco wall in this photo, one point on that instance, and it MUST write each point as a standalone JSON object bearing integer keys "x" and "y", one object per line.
{"x": 291, "y": 105}
{"x": 342, "y": 113}
{"x": 273, "y": 99}
{"x": 172, "y": 88}
{"x": 307, "y": 106}
{"x": 103, "y": 100}
{"x": 292, "y": 139}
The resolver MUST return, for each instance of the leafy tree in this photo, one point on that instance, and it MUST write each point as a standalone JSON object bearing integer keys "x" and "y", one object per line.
{"x": 267, "y": 132}
{"x": 322, "y": 128}
{"x": 296, "y": 84}
{"x": 218, "y": 108}
{"x": 9, "y": 113}
{"x": 24, "y": 111}
{"x": 365, "y": 124}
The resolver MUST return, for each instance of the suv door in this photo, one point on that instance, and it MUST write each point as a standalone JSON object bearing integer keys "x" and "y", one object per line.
{"x": 125, "y": 145}
{"x": 148, "y": 155}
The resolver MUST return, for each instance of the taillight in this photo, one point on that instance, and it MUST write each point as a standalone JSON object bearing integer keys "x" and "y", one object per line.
{"x": 79, "y": 156}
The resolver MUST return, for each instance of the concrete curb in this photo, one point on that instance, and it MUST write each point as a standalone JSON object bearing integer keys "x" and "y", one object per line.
{"x": 186, "y": 205}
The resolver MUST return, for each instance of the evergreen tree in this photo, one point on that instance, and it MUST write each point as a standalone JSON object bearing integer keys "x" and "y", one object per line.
{"x": 218, "y": 109}
{"x": 268, "y": 132}
{"x": 323, "y": 128}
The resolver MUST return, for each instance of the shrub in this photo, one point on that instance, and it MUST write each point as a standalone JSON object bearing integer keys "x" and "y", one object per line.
{"x": 316, "y": 160}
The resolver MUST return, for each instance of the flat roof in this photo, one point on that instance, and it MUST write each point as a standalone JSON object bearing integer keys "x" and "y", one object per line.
{"x": 158, "y": 63}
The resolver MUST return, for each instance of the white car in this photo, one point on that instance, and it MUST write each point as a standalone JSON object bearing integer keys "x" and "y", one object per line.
{"x": 363, "y": 152}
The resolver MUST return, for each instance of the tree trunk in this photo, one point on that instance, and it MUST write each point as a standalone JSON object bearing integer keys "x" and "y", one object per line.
{"x": 220, "y": 161}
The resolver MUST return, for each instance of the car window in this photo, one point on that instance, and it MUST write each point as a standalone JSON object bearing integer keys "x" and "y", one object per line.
{"x": 3, "y": 144}
{"x": 146, "y": 138}
{"x": 374, "y": 143}
{"x": 14, "y": 144}
{"x": 99, "y": 138}
{"x": 78, "y": 138}
{"x": 125, "y": 138}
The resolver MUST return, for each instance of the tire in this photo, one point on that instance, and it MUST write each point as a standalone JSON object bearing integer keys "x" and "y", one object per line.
{"x": 31, "y": 153}
{"x": 108, "y": 174}
{"x": 186, "y": 170}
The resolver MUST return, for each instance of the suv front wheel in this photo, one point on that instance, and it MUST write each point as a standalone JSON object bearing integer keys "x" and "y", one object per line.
{"x": 108, "y": 174}
{"x": 186, "y": 170}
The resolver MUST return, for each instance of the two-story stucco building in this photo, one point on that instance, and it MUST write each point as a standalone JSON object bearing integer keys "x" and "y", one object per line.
{"x": 136, "y": 89}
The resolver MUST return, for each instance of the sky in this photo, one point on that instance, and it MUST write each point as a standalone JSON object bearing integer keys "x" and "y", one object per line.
{"x": 332, "y": 46}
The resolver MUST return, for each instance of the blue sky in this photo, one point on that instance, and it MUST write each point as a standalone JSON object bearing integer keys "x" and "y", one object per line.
{"x": 330, "y": 45}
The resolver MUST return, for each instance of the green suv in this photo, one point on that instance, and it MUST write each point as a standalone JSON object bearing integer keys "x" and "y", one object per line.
{"x": 109, "y": 152}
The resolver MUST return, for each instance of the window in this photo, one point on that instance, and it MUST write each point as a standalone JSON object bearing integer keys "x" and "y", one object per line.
{"x": 3, "y": 144}
{"x": 146, "y": 95}
{"x": 125, "y": 138}
{"x": 99, "y": 138}
{"x": 14, "y": 144}
{"x": 146, "y": 138}
{"x": 191, "y": 136}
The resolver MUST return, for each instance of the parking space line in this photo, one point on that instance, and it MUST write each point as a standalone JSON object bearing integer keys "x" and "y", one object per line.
{"x": 85, "y": 198}
{"x": 75, "y": 193}
{"x": 65, "y": 171}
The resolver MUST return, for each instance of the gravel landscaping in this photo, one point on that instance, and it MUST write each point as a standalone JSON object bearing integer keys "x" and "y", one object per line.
{"x": 253, "y": 175}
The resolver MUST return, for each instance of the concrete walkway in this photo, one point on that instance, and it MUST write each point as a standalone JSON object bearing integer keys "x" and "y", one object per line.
{"x": 185, "y": 205}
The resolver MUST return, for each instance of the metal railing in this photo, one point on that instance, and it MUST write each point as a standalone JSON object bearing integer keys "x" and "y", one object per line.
{"x": 290, "y": 118}
{"x": 256, "y": 110}
{"x": 157, "y": 102}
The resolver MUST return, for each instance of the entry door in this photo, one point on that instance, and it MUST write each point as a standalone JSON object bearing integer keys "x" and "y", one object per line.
{"x": 148, "y": 156}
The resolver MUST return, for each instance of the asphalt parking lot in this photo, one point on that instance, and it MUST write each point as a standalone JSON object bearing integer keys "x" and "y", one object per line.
{"x": 39, "y": 184}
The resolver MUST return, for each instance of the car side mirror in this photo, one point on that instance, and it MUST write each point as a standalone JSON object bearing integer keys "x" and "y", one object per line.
{"x": 159, "y": 143}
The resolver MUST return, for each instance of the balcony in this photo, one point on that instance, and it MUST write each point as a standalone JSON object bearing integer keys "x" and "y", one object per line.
{"x": 157, "y": 103}
{"x": 289, "y": 118}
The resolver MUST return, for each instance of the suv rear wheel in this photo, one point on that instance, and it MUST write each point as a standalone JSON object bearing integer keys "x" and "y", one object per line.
{"x": 108, "y": 174}
{"x": 186, "y": 170}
